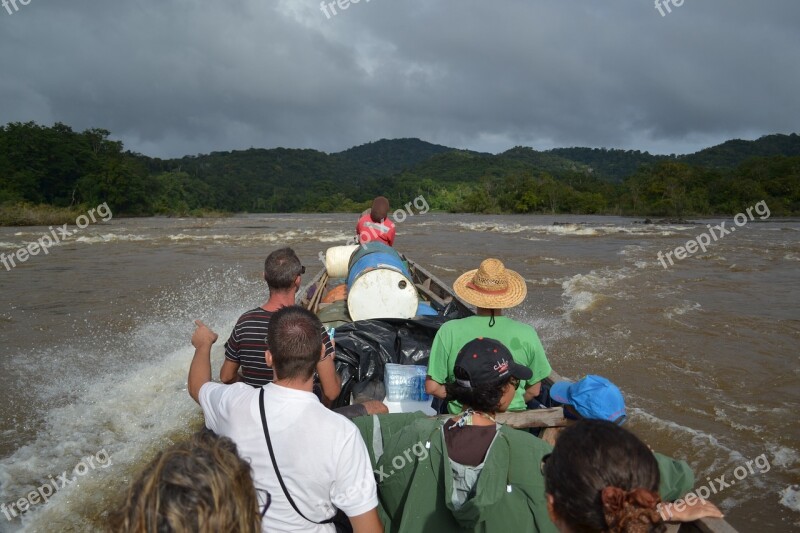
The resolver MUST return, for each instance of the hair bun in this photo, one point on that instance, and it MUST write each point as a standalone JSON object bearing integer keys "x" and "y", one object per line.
{"x": 630, "y": 512}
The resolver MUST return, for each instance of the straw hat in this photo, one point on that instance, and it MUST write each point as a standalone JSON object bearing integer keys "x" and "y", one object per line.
{"x": 491, "y": 286}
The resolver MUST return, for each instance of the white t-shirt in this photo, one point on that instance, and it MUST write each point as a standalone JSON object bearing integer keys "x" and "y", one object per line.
{"x": 321, "y": 455}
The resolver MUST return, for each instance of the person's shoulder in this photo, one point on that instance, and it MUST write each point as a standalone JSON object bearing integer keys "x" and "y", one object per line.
{"x": 334, "y": 422}
{"x": 459, "y": 323}
{"x": 215, "y": 395}
{"x": 234, "y": 390}
{"x": 516, "y": 325}
{"x": 523, "y": 441}
{"x": 255, "y": 313}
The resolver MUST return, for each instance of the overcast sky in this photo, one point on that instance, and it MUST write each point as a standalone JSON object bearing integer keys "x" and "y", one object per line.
{"x": 177, "y": 77}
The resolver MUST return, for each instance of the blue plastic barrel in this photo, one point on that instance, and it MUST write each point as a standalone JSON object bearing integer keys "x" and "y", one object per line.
{"x": 371, "y": 247}
{"x": 377, "y": 260}
{"x": 379, "y": 285}
{"x": 425, "y": 309}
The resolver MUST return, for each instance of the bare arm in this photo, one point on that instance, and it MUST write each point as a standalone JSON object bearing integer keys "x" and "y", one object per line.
{"x": 532, "y": 392}
{"x": 329, "y": 380}
{"x": 200, "y": 370}
{"x": 367, "y": 522}
{"x": 434, "y": 388}
{"x": 689, "y": 513}
{"x": 229, "y": 373}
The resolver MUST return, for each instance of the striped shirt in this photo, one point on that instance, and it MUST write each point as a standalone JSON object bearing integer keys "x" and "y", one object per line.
{"x": 247, "y": 346}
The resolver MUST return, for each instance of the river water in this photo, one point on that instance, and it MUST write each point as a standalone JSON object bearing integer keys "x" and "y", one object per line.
{"x": 95, "y": 341}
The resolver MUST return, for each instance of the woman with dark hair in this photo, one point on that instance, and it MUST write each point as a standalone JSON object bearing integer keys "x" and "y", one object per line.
{"x": 600, "y": 477}
{"x": 201, "y": 485}
{"x": 486, "y": 380}
{"x": 468, "y": 473}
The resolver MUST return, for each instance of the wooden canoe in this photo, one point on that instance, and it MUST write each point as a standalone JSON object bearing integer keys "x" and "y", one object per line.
{"x": 433, "y": 290}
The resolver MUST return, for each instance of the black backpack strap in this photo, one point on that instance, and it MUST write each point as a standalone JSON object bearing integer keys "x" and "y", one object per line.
{"x": 275, "y": 464}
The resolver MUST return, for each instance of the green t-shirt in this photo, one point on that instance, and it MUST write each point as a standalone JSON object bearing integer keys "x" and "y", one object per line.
{"x": 520, "y": 339}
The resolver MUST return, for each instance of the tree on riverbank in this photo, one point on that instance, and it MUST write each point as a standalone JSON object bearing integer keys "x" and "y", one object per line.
{"x": 64, "y": 169}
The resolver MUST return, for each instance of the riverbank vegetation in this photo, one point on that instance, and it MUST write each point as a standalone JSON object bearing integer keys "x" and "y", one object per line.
{"x": 51, "y": 173}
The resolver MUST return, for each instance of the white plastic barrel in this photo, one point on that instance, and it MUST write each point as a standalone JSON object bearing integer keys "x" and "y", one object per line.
{"x": 382, "y": 292}
{"x": 337, "y": 258}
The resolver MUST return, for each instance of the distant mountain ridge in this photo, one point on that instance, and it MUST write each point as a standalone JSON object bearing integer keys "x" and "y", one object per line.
{"x": 60, "y": 167}
{"x": 390, "y": 156}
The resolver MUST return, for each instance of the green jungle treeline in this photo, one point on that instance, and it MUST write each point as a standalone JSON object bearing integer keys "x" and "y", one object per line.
{"x": 49, "y": 173}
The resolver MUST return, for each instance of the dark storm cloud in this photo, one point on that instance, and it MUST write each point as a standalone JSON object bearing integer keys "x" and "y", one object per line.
{"x": 190, "y": 76}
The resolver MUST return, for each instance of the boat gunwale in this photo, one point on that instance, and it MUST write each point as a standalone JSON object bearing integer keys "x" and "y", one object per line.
{"x": 547, "y": 418}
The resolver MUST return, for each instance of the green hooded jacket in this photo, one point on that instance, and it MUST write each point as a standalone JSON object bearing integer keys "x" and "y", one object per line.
{"x": 414, "y": 479}
{"x": 417, "y": 486}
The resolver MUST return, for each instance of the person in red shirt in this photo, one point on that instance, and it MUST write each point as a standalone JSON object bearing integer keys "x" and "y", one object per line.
{"x": 375, "y": 225}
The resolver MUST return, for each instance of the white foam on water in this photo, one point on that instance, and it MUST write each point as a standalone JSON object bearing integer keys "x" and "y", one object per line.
{"x": 574, "y": 229}
{"x": 186, "y": 237}
{"x": 9, "y": 245}
{"x": 126, "y": 415}
{"x": 721, "y": 416}
{"x": 790, "y": 497}
{"x": 111, "y": 237}
{"x": 341, "y": 237}
{"x": 129, "y": 412}
{"x": 583, "y": 292}
{"x": 782, "y": 456}
{"x": 699, "y": 439}
{"x": 631, "y": 249}
{"x": 325, "y": 235}
{"x": 548, "y": 281}
{"x": 792, "y": 257}
{"x": 551, "y": 260}
{"x": 681, "y": 309}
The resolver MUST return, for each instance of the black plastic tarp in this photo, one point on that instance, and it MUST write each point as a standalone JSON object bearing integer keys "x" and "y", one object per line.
{"x": 364, "y": 347}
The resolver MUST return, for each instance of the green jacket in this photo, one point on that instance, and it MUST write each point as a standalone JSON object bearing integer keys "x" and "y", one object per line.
{"x": 414, "y": 479}
{"x": 676, "y": 478}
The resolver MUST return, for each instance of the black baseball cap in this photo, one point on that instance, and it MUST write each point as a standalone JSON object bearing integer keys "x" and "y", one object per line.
{"x": 485, "y": 361}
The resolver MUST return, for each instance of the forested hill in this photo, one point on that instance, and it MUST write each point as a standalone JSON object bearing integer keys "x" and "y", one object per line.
{"x": 56, "y": 166}
{"x": 619, "y": 164}
{"x": 733, "y": 153}
{"x": 387, "y": 157}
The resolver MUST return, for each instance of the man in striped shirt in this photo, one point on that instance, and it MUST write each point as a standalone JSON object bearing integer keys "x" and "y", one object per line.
{"x": 248, "y": 343}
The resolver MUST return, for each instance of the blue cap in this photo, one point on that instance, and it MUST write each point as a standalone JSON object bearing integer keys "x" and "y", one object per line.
{"x": 593, "y": 397}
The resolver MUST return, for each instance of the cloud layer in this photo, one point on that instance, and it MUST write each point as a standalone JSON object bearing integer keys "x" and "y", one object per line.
{"x": 191, "y": 76}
